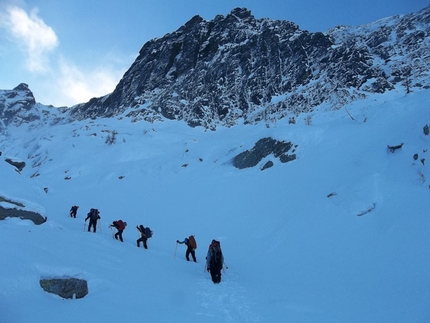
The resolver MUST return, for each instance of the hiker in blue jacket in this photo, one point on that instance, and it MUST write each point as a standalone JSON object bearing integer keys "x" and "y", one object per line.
{"x": 191, "y": 244}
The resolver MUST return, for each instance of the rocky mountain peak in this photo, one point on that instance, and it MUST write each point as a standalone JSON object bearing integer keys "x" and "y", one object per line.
{"x": 241, "y": 13}
{"x": 236, "y": 68}
{"x": 22, "y": 87}
{"x": 16, "y": 103}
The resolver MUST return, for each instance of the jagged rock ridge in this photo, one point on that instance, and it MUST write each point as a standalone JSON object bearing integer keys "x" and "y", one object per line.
{"x": 237, "y": 69}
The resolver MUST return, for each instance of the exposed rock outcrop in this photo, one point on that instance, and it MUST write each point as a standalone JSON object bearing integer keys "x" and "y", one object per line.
{"x": 65, "y": 287}
{"x": 19, "y": 165}
{"x": 263, "y": 148}
{"x": 22, "y": 214}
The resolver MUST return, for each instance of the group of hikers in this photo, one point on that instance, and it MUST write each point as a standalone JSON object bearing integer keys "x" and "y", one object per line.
{"x": 214, "y": 257}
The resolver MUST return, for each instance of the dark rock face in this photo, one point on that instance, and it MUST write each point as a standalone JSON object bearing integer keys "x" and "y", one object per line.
{"x": 267, "y": 165}
{"x": 19, "y": 165}
{"x": 16, "y": 104}
{"x": 240, "y": 69}
{"x": 264, "y": 147}
{"x": 19, "y": 213}
{"x": 22, "y": 214}
{"x": 65, "y": 287}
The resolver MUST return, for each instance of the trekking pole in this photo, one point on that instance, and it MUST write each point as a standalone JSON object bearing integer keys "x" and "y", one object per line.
{"x": 174, "y": 256}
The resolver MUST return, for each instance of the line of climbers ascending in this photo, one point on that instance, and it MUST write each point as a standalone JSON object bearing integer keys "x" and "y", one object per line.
{"x": 214, "y": 258}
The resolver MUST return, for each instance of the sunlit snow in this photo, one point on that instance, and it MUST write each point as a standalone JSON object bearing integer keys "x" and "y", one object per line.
{"x": 341, "y": 234}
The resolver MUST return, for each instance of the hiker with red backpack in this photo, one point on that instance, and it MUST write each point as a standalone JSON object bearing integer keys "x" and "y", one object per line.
{"x": 120, "y": 226}
{"x": 191, "y": 244}
{"x": 215, "y": 261}
{"x": 94, "y": 216}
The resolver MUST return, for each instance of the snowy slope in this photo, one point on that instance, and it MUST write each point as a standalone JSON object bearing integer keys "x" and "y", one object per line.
{"x": 296, "y": 248}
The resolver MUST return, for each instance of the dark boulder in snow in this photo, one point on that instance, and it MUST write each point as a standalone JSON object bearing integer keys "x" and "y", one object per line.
{"x": 22, "y": 214}
{"x": 19, "y": 165}
{"x": 65, "y": 287}
{"x": 262, "y": 148}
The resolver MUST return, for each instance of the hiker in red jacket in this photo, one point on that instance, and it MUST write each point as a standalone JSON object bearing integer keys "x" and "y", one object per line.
{"x": 120, "y": 226}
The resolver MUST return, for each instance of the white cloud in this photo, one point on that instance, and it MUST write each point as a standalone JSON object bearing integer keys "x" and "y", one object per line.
{"x": 32, "y": 34}
{"x": 77, "y": 86}
{"x": 64, "y": 83}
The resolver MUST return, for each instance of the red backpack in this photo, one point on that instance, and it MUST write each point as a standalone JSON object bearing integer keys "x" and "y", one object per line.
{"x": 120, "y": 225}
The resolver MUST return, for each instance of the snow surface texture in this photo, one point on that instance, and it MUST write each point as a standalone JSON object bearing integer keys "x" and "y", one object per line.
{"x": 339, "y": 235}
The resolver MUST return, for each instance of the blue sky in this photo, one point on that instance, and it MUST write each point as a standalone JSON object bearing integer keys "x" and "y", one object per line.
{"x": 69, "y": 51}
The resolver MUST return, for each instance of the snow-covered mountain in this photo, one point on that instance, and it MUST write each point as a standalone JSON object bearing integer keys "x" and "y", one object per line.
{"x": 323, "y": 223}
{"x": 238, "y": 69}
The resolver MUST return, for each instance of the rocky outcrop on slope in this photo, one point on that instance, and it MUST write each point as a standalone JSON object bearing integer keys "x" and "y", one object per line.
{"x": 6, "y": 212}
{"x": 35, "y": 217}
{"x": 263, "y": 148}
{"x": 68, "y": 288}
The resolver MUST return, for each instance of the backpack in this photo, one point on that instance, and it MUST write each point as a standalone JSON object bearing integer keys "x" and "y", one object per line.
{"x": 94, "y": 214}
{"x": 192, "y": 242}
{"x": 120, "y": 225}
{"x": 148, "y": 232}
{"x": 216, "y": 259}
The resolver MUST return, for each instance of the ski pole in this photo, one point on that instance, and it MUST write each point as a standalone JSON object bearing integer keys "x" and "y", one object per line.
{"x": 226, "y": 267}
{"x": 84, "y": 226}
{"x": 174, "y": 256}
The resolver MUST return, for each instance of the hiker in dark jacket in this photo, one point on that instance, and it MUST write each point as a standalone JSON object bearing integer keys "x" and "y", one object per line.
{"x": 191, "y": 244}
{"x": 215, "y": 261}
{"x": 143, "y": 237}
{"x": 94, "y": 216}
{"x": 74, "y": 211}
{"x": 120, "y": 226}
